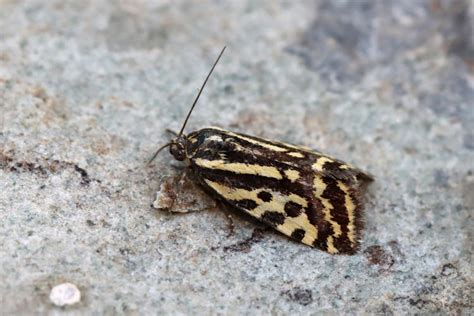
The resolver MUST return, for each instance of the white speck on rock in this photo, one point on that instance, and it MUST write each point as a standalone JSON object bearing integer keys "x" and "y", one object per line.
{"x": 65, "y": 294}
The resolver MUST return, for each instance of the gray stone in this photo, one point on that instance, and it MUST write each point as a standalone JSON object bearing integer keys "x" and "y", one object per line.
{"x": 87, "y": 89}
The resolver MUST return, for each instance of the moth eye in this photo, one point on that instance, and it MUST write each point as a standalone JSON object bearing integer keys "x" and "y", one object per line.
{"x": 177, "y": 151}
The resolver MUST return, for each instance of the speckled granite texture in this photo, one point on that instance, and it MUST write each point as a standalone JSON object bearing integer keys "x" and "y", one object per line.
{"x": 88, "y": 87}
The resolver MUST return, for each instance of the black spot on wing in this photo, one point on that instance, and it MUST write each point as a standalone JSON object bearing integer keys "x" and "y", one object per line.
{"x": 313, "y": 211}
{"x": 265, "y": 196}
{"x": 337, "y": 199}
{"x": 324, "y": 231}
{"x": 340, "y": 215}
{"x": 333, "y": 167}
{"x": 343, "y": 245}
{"x": 293, "y": 209}
{"x": 246, "y": 204}
{"x": 321, "y": 243}
{"x": 349, "y": 175}
{"x": 298, "y": 234}
{"x": 273, "y": 218}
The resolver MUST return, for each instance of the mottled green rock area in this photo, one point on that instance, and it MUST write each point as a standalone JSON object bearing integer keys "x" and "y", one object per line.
{"x": 88, "y": 87}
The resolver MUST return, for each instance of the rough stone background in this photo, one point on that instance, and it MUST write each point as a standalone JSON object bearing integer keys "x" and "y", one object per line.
{"x": 88, "y": 87}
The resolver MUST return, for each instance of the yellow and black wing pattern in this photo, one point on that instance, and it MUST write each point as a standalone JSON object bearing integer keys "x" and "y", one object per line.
{"x": 306, "y": 195}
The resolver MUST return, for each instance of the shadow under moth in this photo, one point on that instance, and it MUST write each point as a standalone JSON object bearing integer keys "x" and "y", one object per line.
{"x": 311, "y": 197}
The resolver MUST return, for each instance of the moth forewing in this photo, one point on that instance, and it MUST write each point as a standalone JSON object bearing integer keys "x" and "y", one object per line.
{"x": 307, "y": 196}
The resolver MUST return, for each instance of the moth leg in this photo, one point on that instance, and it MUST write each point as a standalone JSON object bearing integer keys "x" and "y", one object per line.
{"x": 230, "y": 220}
{"x": 230, "y": 225}
{"x": 246, "y": 244}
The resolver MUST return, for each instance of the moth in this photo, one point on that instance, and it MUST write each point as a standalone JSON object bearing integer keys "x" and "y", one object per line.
{"x": 309, "y": 196}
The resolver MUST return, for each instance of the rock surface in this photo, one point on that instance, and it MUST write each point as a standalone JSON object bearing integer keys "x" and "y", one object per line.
{"x": 88, "y": 87}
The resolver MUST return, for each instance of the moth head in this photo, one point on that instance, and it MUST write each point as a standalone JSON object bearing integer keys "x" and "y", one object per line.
{"x": 178, "y": 148}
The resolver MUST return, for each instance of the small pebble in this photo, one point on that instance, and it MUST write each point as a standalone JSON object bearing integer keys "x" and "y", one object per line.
{"x": 65, "y": 294}
{"x": 179, "y": 194}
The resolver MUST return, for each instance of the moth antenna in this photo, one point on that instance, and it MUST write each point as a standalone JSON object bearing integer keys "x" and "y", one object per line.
{"x": 157, "y": 152}
{"x": 199, "y": 93}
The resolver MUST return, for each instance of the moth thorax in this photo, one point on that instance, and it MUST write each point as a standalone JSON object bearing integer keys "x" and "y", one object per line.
{"x": 178, "y": 148}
